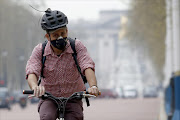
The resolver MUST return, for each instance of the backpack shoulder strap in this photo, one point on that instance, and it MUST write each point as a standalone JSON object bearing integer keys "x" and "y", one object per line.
{"x": 43, "y": 61}
{"x": 72, "y": 43}
{"x": 43, "y": 48}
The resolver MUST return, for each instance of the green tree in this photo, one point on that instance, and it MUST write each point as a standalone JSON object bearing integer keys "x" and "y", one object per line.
{"x": 147, "y": 29}
{"x": 20, "y": 31}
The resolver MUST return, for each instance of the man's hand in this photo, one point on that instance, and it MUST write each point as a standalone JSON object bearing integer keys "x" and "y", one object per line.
{"x": 38, "y": 91}
{"x": 93, "y": 90}
{"x": 32, "y": 81}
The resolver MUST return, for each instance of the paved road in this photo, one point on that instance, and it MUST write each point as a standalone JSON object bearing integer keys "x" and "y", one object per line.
{"x": 100, "y": 109}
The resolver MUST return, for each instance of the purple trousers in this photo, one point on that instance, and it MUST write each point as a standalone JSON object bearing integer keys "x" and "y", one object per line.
{"x": 48, "y": 110}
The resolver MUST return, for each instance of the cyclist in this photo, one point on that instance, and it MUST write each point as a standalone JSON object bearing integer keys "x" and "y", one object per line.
{"x": 61, "y": 76}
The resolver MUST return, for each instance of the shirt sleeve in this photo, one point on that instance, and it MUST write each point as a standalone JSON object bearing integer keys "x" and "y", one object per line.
{"x": 34, "y": 64}
{"x": 83, "y": 57}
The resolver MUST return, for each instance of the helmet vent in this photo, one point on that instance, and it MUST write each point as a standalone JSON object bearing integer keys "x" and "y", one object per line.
{"x": 52, "y": 23}
{"x": 50, "y": 18}
{"x": 48, "y": 15}
{"x": 60, "y": 20}
{"x": 58, "y": 16}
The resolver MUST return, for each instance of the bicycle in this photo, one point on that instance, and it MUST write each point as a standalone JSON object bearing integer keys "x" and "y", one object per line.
{"x": 61, "y": 101}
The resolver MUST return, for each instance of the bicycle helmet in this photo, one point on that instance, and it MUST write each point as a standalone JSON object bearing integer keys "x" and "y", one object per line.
{"x": 52, "y": 20}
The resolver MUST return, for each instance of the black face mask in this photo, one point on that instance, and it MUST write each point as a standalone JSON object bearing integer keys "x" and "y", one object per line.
{"x": 59, "y": 43}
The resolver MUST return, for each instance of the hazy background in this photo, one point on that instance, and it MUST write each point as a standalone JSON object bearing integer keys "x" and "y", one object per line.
{"x": 125, "y": 38}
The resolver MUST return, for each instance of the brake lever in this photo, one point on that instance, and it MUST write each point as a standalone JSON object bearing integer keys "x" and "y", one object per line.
{"x": 43, "y": 96}
{"x": 31, "y": 96}
{"x": 88, "y": 95}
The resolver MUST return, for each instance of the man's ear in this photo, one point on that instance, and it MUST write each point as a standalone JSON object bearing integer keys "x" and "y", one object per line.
{"x": 47, "y": 36}
{"x": 67, "y": 31}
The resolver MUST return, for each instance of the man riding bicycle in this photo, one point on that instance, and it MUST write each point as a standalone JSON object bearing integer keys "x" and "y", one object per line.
{"x": 60, "y": 74}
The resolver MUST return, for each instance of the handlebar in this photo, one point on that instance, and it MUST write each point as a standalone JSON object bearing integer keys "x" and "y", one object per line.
{"x": 81, "y": 94}
{"x": 62, "y": 100}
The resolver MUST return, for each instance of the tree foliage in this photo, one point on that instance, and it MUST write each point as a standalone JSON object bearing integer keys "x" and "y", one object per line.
{"x": 147, "y": 29}
{"x": 19, "y": 33}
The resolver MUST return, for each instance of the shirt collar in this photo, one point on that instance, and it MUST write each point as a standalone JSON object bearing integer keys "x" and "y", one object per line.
{"x": 48, "y": 50}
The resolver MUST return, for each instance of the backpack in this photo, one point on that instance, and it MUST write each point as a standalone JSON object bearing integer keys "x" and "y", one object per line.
{"x": 72, "y": 43}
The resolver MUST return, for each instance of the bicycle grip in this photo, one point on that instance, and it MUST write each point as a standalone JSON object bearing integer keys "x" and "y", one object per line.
{"x": 28, "y": 91}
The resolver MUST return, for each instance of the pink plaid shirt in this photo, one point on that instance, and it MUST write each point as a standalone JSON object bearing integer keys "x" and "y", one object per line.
{"x": 61, "y": 77}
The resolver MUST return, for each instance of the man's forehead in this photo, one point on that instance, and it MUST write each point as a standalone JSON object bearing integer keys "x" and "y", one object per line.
{"x": 53, "y": 31}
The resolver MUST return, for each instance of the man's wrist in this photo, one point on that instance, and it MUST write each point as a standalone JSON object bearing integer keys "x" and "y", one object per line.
{"x": 93, "y": 86}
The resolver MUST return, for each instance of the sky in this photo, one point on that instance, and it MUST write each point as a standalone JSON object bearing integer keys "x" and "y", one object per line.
{"x": 85, "y": 9}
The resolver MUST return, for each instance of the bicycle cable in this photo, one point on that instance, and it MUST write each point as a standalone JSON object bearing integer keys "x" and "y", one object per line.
{"x": 33, "y": 7}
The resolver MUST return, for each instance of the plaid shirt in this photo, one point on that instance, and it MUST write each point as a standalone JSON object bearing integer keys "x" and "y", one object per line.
{"x": 61, "y": 76}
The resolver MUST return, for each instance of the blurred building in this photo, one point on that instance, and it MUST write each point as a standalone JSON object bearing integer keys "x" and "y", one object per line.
{"x": 108, "y": 37}
{"x": 118, "y": 63}
{"x": 101, "y": 39}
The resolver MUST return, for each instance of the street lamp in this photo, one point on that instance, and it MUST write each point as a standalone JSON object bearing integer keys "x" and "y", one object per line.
{"x": 4, "y": 53}
{"x": 4, "y": 63}
{"x": 21, "y": 58}
{"x": 21, "y": 71}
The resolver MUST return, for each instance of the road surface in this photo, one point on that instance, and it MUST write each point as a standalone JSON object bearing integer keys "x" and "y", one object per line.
{"x": 100, "y": 109}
